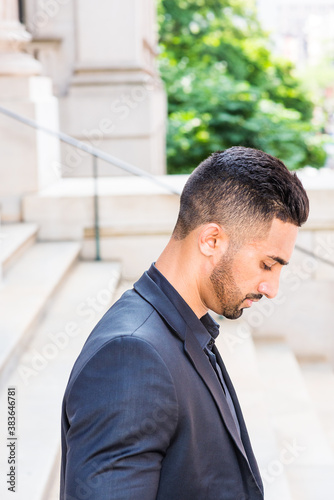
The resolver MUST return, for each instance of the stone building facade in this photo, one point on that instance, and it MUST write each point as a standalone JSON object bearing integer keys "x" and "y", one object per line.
{"x": 88, "y": 68}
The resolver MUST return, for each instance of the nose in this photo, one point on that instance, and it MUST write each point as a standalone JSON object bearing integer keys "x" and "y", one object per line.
{"x": 269, "y": 288}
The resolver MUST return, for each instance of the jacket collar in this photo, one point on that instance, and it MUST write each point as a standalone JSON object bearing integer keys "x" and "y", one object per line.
{"x": 152, "y": 293}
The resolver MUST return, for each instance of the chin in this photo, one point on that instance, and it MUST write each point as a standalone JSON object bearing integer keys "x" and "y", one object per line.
{"x": 232, "y": 315}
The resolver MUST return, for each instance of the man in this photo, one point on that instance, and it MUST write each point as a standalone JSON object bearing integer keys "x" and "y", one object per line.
{"x": 149, "y": 411}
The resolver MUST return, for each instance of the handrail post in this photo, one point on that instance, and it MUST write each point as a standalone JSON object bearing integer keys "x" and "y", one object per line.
{"x": 96, "y": 210}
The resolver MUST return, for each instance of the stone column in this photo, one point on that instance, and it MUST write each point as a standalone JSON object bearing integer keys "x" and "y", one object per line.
{"x": 13, "y": 40}
{"x": 116, "y": 100}
{"x": 27, "y": 155}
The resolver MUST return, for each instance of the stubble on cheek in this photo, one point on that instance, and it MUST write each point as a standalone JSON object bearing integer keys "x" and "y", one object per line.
{"x": 226, "y": 290}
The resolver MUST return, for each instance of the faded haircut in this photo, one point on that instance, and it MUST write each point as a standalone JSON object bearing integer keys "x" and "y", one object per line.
{"x": 243, "y": 190}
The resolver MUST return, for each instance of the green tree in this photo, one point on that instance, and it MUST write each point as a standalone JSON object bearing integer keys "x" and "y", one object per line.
{"x": 224, "y": 87}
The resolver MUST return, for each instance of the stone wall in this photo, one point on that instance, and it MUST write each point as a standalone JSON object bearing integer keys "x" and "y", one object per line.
{"x": 101, "y": 58}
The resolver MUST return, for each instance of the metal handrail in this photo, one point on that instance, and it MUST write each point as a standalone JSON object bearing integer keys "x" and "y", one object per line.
{"x": 314, "y": 255}
{"x": 90, "y": 149}
{"x": 98, "y": 153}
{"x": 95, "y": 153}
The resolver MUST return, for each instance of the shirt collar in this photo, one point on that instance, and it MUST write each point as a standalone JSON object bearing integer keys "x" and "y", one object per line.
{"x": 203, "y": 329}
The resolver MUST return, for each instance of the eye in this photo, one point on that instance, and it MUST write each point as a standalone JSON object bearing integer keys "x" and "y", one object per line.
{"x": 265, "y": 267}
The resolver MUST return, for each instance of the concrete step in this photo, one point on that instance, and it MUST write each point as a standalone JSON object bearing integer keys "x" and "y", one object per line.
{"x": 136, "y": 217}
{"x": 319, "y": 379}
{"x": 236, "y": 346}
{"x": 305, "y": 322}
{"x": 306, "y": 455}
{"x": 66, "y": 208}
{"x": 14, "y": 240}
{"x": 134, "y": 250}
{"x": 42, "y": 373}
{"x": 24, "y": 294}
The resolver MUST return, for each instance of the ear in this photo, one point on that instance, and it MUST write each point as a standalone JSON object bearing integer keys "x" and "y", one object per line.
{"x": 213, "y": 241}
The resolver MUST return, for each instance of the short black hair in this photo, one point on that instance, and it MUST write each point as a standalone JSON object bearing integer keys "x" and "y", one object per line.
{"x": 240, "y": 188}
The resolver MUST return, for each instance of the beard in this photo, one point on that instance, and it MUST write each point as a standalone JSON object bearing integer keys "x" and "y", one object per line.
{"x": 228, "y": 293}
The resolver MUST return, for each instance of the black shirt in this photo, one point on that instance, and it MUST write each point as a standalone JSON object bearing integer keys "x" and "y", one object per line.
{"x": 206, "y": 329}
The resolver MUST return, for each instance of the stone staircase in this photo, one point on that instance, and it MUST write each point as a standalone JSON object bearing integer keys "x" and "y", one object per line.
{"x": 49, "y": 302}
{"x": 238, "y": 350}
{"x": 289, "y": 412}
{"x": 319, "y": 378}
{"x": 134, "y": 214}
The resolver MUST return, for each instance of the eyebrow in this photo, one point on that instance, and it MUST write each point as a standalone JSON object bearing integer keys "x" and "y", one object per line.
{"x": 279, "y": 260}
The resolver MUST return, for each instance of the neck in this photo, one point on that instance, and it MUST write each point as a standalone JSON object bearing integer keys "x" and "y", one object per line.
{"x": 177, "y": 264}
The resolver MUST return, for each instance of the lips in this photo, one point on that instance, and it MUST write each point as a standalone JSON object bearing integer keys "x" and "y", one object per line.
{"x": 249, "y": 301}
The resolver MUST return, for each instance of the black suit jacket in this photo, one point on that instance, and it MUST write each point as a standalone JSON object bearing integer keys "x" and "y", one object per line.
{"x": 144, "y": 415}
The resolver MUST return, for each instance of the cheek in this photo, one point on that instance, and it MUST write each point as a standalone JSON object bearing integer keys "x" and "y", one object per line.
{"x": 246, "y": 276}
{"x": 242, "y": 271}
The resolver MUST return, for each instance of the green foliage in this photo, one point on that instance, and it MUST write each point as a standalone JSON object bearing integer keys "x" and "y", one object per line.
{"x": 224, "y": 87}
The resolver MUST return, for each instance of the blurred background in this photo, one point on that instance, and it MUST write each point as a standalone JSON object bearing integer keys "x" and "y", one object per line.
{"x": 105, "y": 108}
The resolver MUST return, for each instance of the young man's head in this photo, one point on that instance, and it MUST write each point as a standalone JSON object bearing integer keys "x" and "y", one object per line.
{"x": 243, "y": 190}
{"x": 239, "y": 216}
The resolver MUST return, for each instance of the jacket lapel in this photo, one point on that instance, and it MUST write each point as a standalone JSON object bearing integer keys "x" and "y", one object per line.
{"x": 202, "y": 366}
{"x": 243, "y": 429}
